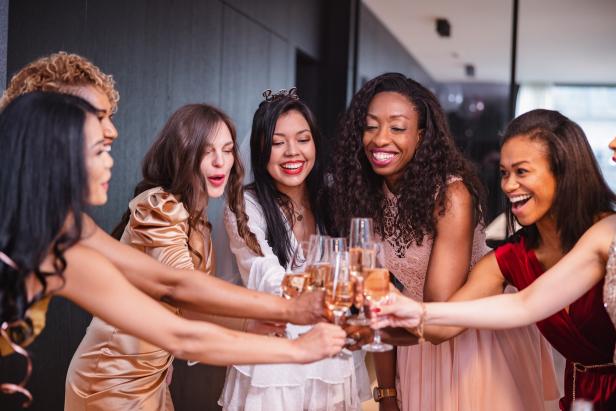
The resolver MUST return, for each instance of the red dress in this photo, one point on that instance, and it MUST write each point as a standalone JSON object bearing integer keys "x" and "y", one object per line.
{"x": 585, "y": 335}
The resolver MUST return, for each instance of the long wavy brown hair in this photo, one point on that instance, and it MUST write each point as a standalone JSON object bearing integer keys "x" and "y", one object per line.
{"x": 174, "y": 163}
{"x": 357, "y": 191}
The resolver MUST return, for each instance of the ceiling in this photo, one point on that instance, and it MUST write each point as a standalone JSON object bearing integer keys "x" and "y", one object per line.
{"x": 559, "y": 41}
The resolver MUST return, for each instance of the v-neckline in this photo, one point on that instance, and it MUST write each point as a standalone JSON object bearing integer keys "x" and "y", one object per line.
{"x": 567, "y": 313}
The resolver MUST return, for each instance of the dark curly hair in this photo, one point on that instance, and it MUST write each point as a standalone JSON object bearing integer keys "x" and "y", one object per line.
{"x": 357, "y": 191}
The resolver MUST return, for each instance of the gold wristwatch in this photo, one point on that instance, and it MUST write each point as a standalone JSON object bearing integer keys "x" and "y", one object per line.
{"x": 378, "y": 393}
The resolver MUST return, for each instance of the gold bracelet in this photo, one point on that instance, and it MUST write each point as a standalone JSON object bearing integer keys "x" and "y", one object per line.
{"x": 422, "y": 321}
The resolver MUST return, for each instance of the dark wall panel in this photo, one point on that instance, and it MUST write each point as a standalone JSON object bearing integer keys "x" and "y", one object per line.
{"x": 39, "y": 27}
{"x": 158, "y": 67}
{"x": 245, "y": 68}
{"x": 4, "y": 25}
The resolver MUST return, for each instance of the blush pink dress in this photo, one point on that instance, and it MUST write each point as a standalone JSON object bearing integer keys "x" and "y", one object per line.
{"x": 479, "y": 370}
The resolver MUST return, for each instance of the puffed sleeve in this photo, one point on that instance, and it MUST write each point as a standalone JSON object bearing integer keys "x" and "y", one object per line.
{"x": 159, "y": 226}
{"x": 262, "y": 273}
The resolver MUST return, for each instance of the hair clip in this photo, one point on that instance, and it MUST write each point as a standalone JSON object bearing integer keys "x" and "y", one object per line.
{"x": 291, "y": 93}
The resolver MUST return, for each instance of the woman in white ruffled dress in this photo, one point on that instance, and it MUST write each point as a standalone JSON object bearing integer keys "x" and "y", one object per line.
{"x": 282, "y": 205}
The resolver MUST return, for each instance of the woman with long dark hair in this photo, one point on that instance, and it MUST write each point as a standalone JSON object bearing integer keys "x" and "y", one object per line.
{"x": 396, "y": 151}
{"x": 42, "y": 252}
{"x": 284, "y": 208}
{"x": 556, "y": 192}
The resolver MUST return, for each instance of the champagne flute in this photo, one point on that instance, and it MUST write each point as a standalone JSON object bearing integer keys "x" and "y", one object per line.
{"x": 296, "y": 279}
{"x": 339, "y": 291}
{"x": 376, "y": 291}
{"x": 318, "y": 261}
{"x": 338, "y": 287}
{"x": 361, "y": 236}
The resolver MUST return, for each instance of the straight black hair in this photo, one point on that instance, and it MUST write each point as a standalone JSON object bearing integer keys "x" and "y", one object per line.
{"x": 264, "y": 187}
{"x": 43, "y": 183}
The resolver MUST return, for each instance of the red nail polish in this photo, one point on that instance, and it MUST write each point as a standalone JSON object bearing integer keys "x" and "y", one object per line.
{"x": 376, "y": 310}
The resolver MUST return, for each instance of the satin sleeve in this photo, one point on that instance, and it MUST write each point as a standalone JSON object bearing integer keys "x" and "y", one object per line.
{"x": 262, "y": 273}
{"x": 158, "y": 225}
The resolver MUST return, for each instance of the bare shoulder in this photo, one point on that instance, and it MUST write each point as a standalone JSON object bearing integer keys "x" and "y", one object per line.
{"x": 457, "y": 195}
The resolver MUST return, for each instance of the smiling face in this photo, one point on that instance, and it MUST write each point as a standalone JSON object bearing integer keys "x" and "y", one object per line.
{"x": 391, "y": 135}
{"x": 293, "y": 151}
{"x": 527, "y": 179}
{"x": 218, "y": 160}
{"x": 98, "y": 161}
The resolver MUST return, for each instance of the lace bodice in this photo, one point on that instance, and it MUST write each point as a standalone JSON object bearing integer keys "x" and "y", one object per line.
{"x": 609, "y": 288}
{"x": 409, "y": 262}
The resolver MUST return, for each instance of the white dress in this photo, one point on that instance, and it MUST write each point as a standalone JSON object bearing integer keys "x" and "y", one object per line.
{"x": 329, "y": 384}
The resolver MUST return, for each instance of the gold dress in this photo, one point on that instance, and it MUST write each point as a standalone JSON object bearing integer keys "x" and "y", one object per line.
{"x": 609, "y": 287}
{"x": 112, "y": 370}
{"x": 36, "y": 315}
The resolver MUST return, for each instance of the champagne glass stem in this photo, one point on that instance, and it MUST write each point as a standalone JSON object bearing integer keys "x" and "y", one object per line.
{"x": 377, "y": 337}
{"x": 337, "y": 317}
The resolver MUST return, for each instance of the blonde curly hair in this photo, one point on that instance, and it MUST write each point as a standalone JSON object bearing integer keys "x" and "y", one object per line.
{"x": 57, "y": 72}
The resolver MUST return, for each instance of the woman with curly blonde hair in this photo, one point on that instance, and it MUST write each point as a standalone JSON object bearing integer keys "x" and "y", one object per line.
{"x": 71, "y": 74}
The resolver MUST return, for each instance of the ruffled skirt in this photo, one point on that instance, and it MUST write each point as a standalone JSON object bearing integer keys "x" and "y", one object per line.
{"x": 479, "y": 370}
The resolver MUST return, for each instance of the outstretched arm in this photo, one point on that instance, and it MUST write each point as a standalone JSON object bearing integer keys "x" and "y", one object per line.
{"x": 572, "y": 276}
{"x": 198, "y": 292}
{"x": 95, "y": 284}
{"x": 449, "y": 261}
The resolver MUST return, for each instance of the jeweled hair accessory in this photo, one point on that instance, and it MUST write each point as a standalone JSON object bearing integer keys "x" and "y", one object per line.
{"x": 291, "y": 93}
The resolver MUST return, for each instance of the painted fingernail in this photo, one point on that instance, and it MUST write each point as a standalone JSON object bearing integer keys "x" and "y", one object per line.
{"x": 376, "y": 310}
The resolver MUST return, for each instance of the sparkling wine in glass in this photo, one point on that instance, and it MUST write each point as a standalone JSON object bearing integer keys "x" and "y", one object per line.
{"x": 296, "y": 280}
{"x": 361, "y": 239}
{"x": 318, "y": 260}
{"x": 338, "y": 287}
{"x": 376, "y": 291}
{"x": 339, "y": 291}
{"x": 294, "y": 284}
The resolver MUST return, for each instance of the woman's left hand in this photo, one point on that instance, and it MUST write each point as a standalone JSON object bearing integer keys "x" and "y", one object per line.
{"x": 360, "y": 333}
{"x": 397, "y": 311}
{"x": 307, "y": 308}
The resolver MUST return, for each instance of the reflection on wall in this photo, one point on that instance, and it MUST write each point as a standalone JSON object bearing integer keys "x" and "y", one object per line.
{"x": 477, "y": 114}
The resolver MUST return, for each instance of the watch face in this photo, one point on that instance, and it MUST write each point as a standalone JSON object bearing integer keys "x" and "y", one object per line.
{"x": 376, "y": 394}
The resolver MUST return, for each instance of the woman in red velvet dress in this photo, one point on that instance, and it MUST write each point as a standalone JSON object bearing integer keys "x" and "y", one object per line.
{"x": 556, "y": 193}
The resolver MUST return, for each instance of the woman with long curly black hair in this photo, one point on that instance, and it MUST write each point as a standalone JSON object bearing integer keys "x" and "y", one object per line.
{"x": 395, "y": 161}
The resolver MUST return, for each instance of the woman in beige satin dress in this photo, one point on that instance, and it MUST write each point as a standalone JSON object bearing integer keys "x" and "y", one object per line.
{"x": 192, "y": 160}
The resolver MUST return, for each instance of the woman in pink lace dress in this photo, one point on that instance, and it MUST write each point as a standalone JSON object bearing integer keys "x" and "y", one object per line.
{"x": 397, "y": 153}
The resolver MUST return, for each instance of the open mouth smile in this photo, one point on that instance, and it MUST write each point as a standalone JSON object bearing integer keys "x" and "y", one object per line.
{"x": 293, "y": 167}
